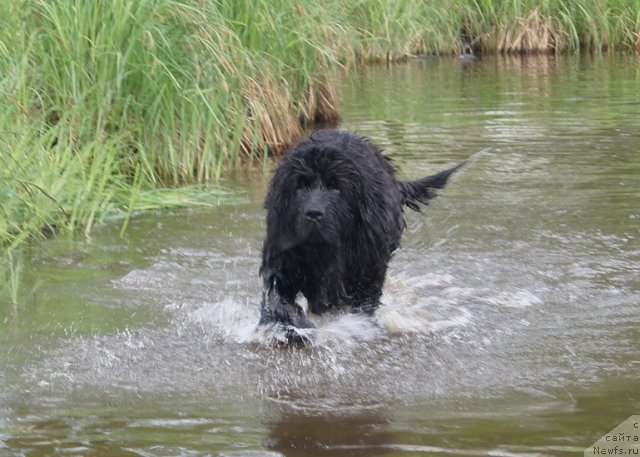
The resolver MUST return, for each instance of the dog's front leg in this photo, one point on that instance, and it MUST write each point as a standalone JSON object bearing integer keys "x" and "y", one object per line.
{"x": 278, "y": 309}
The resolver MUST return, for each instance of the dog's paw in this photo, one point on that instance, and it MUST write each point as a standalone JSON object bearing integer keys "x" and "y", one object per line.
{"x": 286, "y": 335}
{"x": 298, "y": 337}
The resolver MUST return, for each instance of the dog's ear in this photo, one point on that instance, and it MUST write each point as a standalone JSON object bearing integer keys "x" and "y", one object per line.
{"x": 379, "y": 212}
{"x": 280, "y": 223}
{"x": 280, "y": 233}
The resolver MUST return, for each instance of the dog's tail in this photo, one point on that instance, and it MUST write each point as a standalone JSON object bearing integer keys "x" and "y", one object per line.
{"x": 421, "y": 191}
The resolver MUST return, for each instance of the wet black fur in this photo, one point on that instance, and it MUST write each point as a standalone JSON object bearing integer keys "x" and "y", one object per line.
{"x": 335, "y": 217}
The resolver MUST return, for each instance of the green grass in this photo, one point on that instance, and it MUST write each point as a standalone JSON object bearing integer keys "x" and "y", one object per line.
{"x": 102, "y": 101}
{"x": 109, "y": 107}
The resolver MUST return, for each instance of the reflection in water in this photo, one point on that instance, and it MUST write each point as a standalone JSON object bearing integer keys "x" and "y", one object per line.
{"x": 328, "y": 433}
{"x": 57, "y": 436}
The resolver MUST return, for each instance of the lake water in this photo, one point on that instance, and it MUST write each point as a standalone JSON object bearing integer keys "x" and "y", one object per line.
{"x": 511, "y": 316}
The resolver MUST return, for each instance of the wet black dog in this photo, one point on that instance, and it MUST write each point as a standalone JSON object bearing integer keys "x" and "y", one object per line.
{"x": 335, "y": 217}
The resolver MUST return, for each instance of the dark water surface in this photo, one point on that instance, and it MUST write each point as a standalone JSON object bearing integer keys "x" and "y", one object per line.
{"x": 511, "y": 317}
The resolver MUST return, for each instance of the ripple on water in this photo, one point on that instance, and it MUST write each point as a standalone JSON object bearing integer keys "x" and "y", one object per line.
{"x": 461, "y": 318}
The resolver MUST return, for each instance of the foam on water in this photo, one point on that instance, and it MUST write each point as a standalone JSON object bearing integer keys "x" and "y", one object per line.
{"x": 514, "y": 299}
{"x": 407, "y": 308}
{"x": 233, "y": 318}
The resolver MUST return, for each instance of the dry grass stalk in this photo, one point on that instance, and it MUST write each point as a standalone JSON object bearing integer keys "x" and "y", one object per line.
{"x": 322, "y": 103}
{"x": 536, "y": 36}
{"x": 272, "y": 123}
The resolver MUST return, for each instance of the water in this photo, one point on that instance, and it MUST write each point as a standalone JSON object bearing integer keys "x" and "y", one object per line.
{"x": 511, "y": 316}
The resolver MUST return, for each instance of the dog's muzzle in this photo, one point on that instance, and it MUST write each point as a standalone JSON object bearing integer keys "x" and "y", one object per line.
{"x": 314, "y": 207}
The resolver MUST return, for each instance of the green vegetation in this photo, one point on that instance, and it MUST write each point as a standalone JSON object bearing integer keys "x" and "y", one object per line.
{"x": 103, "y": 103}
{"x": 108, "y": 107}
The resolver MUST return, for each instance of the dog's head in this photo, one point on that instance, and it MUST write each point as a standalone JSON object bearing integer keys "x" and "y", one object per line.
{"x": 308, "y": 201}
{"x": 327, "y": 187}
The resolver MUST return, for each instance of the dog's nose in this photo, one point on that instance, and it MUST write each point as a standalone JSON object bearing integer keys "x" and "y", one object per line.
{"x": 314, "y": 214}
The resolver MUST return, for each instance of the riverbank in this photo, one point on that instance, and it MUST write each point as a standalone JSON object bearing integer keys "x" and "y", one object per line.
{"x": 108, "y": 108}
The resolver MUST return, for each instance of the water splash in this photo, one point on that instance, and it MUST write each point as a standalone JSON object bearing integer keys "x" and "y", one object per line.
{"x": 403, "y": 311}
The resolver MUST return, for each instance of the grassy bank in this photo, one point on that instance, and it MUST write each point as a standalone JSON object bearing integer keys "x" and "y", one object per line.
{"x": 113, "y": 106}
{"x": 102, "y": 102}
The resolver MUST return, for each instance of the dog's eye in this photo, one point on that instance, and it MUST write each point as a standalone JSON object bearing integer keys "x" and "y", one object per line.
{"x": 332, "y": 184}
{"x": 303, "y": 182}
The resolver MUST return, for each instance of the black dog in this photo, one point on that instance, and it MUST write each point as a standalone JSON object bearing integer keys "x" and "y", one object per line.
{"x": 335, "y": 217}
